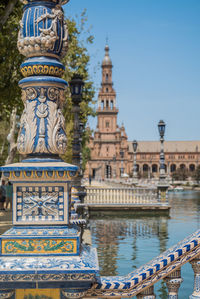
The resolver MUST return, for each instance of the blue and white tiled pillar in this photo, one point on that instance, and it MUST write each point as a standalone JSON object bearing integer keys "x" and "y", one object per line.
{"x": 173, "y": 282}
{"x": 43, "y": 39}
{"x": 44, "y": 248}
{"x": 196, "y": 268}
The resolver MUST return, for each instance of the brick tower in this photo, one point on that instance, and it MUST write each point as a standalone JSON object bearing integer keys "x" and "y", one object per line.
{"x": 109, "y": 144}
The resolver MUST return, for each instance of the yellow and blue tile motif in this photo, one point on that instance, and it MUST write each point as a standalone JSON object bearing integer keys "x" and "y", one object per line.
{"x": 38, "y": 294}
{"x": 41, "y": 246}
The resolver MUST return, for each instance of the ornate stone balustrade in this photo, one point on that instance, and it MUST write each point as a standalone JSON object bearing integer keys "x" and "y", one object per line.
{"x": 121, "y": 196}
{"x": 167, "y": 266}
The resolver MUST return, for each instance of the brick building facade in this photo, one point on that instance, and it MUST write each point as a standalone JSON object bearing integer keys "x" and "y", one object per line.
{"x": 112, "y": 153}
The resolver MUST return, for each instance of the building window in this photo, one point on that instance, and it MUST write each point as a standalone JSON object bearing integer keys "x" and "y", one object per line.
{"x": 181, "y": 157}
{"x": 107, "y": 104}
{"x": 192, "y": 167}
{"x": 106, "y": 77}
{"x": 111, "y": 105}
{"x": 171, "y": 157}
{"x": 107, "y": 124}
{"x": 102, "y": 105}
{"x": 106, "y": 89}
{"x": 154, "y": 168}
{"x": 145, "y": 168}
{"x": 182, "y": 166}
{"x": 173, "y": 167}
{"x": 191, "y": 157}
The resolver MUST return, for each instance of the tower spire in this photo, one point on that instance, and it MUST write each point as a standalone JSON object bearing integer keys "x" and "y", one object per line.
{"x": 107, "y": 60}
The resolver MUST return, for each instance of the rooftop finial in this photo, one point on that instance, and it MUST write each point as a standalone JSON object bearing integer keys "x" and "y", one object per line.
{"x": 107, "y": 60}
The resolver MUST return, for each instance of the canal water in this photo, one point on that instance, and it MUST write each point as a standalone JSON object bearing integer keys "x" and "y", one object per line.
{"x": 125, "y": 241}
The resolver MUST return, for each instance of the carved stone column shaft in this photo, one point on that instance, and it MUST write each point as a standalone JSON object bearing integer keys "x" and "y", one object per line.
{"x": 196, "y": 268}
{"x": 147, "y": 294}
{"x": 173, "y": 282}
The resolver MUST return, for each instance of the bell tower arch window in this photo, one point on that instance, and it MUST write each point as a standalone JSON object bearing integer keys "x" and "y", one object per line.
{"x": 111, "y": 105}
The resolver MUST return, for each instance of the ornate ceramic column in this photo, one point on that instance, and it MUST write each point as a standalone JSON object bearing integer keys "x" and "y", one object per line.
{"x": 43, "y": 39}
{"x": 196, "y": 268}
{"x": 44, "y": 249}
{"x": 173, "y": 282}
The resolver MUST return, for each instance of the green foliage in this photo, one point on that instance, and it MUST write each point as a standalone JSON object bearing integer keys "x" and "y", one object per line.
{"x": 196, "y": 174}
{"x": 86, "y": 152}
{"x": 10, "y": 61}
{"x": 76, "y": 62}
{"x": 181, "y": 174}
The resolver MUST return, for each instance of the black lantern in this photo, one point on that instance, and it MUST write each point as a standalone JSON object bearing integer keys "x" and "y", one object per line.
{"x": 161, "y": 128}
{"x": 76, "y": 85}
{"x": 135, "y": 144}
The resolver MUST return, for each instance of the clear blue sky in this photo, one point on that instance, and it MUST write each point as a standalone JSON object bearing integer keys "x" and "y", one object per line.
{"x": 155, "y": 50}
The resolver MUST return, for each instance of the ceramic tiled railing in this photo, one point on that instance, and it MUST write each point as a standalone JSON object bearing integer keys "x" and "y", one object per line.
{"x": 166, "y": 266}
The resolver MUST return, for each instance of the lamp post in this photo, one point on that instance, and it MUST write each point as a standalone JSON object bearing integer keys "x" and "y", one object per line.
{"x": 122, "y": 162}
{"x": 135, "y": 145}
{"x": 76, "y": 88}
{"x": 161, "y": 129}
{"x": 114, "y": 166}
{"x": 162, "y": 185}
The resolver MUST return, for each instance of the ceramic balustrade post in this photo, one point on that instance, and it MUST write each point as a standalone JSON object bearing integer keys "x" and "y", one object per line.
{"x": 173, "y": 282}
{"x": 195, "y": 263}
{"x": 147, "y": 294}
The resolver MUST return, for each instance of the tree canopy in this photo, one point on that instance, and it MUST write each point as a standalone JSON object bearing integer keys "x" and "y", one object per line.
{"x": 76, "y": 61}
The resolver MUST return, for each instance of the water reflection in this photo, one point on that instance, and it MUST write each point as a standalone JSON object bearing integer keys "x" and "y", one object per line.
{"x": 112, "y": 234}
{"x": 126, "y": 242}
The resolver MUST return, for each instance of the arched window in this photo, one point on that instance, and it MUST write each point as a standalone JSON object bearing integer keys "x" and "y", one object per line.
{"x": 145, "y": 168}
{"x": 154, "y": 168}
{"x": 106, "y": 77}
{"x": 106, "y": 89}
{"x": 182, "y": 166}
{"x": 138, "y": 167}
{"x": 108, "y": 171}
{"x": 192, "y": 167}
{"x": 111, "y": 105}
{"x": 173, "y": 168}
{"x": 107, "y": 104}
{"x": 102, "y": 105}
